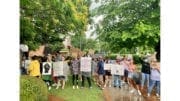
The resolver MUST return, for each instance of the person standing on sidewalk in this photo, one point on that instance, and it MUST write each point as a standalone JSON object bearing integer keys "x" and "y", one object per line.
{"x": 101, "y": 72}
{"x": 108, "y": 76}
{"x": 133, "y": 77}
{"x": 154, "y": 78}
{"x": 145, "y": 72}
{"x": 117, "y": 78}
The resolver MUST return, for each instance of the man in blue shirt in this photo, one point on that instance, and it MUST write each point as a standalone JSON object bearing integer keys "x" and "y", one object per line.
{"x": 100, "y": 71}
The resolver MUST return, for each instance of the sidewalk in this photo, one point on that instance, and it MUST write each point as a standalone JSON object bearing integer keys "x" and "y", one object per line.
{"x": 123, "y": 94}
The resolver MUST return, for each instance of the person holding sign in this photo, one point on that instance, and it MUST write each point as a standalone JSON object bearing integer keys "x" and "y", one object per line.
{"x": 62, "y": 74}
{"x": 47, "y": 71}
{"x": 117, "y": 70}
{"x": 86, "y": 70}
{"x": 101, "y": 72}
{"x": 75, "y": 71}
{"x": 108, "y": 76}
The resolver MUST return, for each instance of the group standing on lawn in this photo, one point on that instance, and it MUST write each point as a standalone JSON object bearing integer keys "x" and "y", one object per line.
{"x": 150, "y": 72}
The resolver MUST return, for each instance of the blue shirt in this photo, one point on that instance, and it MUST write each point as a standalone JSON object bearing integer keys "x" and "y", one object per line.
{"x": 101, "y": 67}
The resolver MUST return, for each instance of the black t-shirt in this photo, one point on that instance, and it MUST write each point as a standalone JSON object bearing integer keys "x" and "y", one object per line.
{"x": 145, "y": 68}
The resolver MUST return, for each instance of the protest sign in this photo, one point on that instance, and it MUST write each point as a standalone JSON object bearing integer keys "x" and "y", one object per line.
{"x": 85, "y": 64}
{"x": 58, "y": 68}
{"x": 107, "y": 66}
{"x": 47, "y": 67}
{"x": 117, "y": 69}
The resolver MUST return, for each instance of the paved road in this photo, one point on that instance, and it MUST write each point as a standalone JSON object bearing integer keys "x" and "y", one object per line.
{"x": 123, "y": 94}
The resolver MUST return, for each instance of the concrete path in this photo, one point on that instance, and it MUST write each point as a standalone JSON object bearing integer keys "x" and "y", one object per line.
{"x": 123, "y": 94}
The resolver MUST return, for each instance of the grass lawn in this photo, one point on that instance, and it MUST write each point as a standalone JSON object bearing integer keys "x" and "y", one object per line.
{"x": 85, "y": 94}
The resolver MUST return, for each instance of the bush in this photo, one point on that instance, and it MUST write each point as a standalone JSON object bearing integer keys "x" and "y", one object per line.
{"x": 137, "y": 59}
{"x": 111, "y": 56}
{"x": 33, "y": 89}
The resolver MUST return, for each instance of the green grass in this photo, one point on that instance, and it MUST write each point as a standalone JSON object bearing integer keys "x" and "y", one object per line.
{"x": 85, "y": 94}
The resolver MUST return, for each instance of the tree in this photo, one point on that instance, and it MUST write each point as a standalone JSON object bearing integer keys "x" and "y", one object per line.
{"x": 42, "y": 21}
{"x": 129, "y": 24}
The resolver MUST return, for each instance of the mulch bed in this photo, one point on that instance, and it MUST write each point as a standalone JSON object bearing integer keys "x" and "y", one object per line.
{"x": 54, "y": 98}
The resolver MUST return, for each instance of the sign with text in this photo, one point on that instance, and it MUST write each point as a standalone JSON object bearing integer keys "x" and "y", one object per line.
{"x": 58, "y": 68}
{"x": 85, "y": 64}
{"x": 107, "y": 66}
{"x": 117, "y": 69}
{"x": 47, "y": 67}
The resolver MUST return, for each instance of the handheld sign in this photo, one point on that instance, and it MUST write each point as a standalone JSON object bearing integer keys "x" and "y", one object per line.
{"x": 117, "y": 69}
{"x": 58, "y": 68}
{"x": 107, "y": 66}
{"x": 47, "y": 67}
{"x": 85, "y": 64}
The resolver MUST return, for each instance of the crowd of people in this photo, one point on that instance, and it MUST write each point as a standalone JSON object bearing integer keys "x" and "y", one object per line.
{"x": 149, "y": 74}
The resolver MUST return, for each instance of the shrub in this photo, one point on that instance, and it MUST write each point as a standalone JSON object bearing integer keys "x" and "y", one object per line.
{"x": 137, "y": 59}
{"x": 111, "y": 56}
{"x": 33, "y": 89}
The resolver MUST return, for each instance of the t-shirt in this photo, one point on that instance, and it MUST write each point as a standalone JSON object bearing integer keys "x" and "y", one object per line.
{"x": 145, "y": 68}
{"x": 101, "y": 67}
{"x": 155, "y": 75}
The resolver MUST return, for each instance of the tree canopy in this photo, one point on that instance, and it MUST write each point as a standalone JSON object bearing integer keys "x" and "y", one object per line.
{"x": 43, "y": 21}
{"x": 129, "y": 24}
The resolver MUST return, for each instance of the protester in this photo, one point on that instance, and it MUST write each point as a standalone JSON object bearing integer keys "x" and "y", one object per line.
{"x": 117, "y": 78}
{"x": 145, "y": 72}
{"x": 154, "y": 78}
{"x": 47, "y": 66}
{"x": 94, "y": 70}
{"x": 108, "y": 76}
{"x": 23, "y": 69}
{"x": 34, "y": 67}
{"x": 133, "y": 76}
{"x": 75, "y": 72}
{"x": 100, "y": 72}
{"x": 63, "y": 78}
{"x": 86, "y": 75}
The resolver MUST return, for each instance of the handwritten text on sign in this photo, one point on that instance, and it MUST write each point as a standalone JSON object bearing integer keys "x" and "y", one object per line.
{"x": 117, "y": 69}
{"x": 58, "y": 68}
{"x": 107, "y": 66}
{"x": 85, "y": 64}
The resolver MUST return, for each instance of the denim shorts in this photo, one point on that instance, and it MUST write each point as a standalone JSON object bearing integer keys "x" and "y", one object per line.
{"x": 130, "y": 75}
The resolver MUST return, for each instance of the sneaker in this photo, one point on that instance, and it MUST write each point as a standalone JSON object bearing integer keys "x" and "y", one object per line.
{"x": 102, "y": 88}
{"x": 57, "y": 87}
{"x": 132, "y": 91}
{"x": 54, "y": 84}
{"x": 157, "y": 94}
{"x": 139, "y": 92}
{"x": 77, "y": 87}
{"x": 73, "y": 87}
{"x": 49, "y": 88}
{"x": 90, "y": 87}
{"x": 148, "y": 95}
